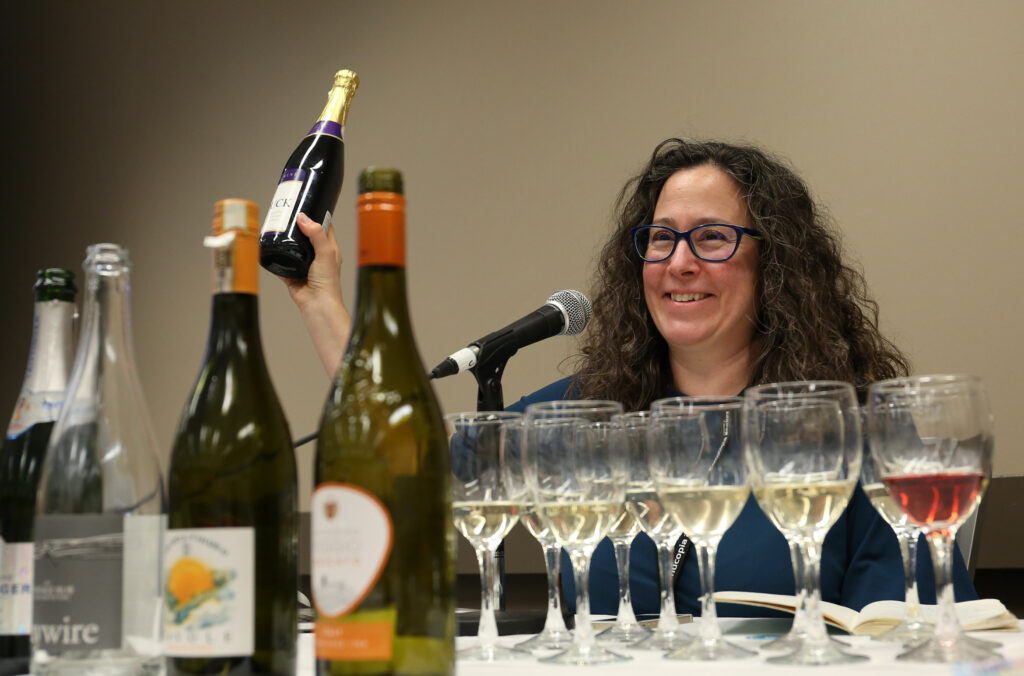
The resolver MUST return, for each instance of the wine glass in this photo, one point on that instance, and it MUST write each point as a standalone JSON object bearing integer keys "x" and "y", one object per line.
{"x": 485, "y": 507}
{"x": 695, "y": 453}
{"x": 555, "y": 635}
{"x": 576, "y": 471}
{"x": 931, "y": 439}
{"x": 664, "y": 529}
{"x": 803, "y": 450}
{"x": 626, "y": 628}
{"x": 913, "y": 627}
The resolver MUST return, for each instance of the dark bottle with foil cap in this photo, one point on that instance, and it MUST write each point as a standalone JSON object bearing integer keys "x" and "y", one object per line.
{"x": 381, "y": 516}
{"x": 310, "y": 184}
{"x": 21, "y": 457}
{"x": 231, "y": 549}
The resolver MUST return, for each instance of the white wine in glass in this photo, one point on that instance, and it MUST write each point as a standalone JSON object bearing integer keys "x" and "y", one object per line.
{"x": 695, "y": 455}
{"x": 485, "y": 507}
{"x": 804, "y": 450}
{"x": 576, "y": 473}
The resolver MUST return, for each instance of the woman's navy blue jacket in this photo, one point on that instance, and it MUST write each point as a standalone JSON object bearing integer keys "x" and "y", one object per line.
{"x": 860, "y": 561}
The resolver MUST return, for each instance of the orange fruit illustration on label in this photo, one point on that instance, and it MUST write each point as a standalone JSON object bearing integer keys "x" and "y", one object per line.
{"x": 187, "y": 578}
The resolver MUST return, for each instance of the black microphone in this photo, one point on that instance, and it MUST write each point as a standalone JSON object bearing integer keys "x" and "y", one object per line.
{"x": 567, "y": 312}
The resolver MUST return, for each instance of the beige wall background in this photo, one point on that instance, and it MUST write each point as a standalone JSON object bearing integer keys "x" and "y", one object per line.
{"x": 515, "y": 124}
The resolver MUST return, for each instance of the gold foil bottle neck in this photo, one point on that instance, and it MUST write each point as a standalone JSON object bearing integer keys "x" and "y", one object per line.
{"x": 340, "y": 97}
{"x": 347, "y": 79}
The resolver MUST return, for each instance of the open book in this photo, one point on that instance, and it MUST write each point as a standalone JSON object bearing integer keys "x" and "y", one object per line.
{"x": 874, "y": 618}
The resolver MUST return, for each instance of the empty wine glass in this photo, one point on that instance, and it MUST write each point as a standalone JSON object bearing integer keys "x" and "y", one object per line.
{"x": 663, "y": 528}
{"x": 931, "y": 439}
{"x": 485, "y": 507}
{"x": 576, "y": 472}
{"x": 695, "y": 453}
{"x": 912, "y": 628}
{"x": 803, "y": 448}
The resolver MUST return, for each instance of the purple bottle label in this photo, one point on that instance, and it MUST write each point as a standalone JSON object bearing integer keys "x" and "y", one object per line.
{"x": 293, "y": 175}
{"x": 326, "y": 127}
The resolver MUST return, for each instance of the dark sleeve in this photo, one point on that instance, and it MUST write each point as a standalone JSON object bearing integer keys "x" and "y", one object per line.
{"x": 556, "y": 391}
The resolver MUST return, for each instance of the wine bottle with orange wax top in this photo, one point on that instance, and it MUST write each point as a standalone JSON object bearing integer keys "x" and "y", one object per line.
{"x": 230, "y": 552}
{"x": 310, "y": 184}
{"x": 382, "y": 534}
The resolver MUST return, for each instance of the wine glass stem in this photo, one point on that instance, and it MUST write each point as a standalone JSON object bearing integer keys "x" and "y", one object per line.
{"x": 908, "y": 549}
{"x": 584, "y": 634}
{"x": 815, "y": 622}
{"x": 552, "y": 562}
{"x": 796, "y": 555}
{"x": 487, "y": 630}
{"x": 667, "y": 617}
{"x": 947, "y": 626}
{"x": 625, "y": 615}
{"x": 706, "y": 551}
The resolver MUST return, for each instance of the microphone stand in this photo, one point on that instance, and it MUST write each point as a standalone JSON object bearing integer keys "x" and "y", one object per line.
{"x": 489, "y": 398}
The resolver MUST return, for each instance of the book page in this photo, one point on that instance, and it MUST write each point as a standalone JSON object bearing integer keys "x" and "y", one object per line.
{"x": 876, "y": 617}
{"x": 834, "y": 614}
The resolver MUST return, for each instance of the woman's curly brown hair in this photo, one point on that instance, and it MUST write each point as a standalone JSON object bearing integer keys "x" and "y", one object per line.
{"x": 815, "y": 318}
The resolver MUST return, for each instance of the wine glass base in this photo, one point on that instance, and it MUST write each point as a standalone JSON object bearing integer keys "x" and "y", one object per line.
{"x": 979, "y": 642}
{"x": 710, "y": 650}
{"x": 959, "y": 650}
{"x": 549, "y": 639}
{"x": 908, "y": 633}
{"x": 491, "y": 653}
{"x": 664, "y": 639}
{"x": 582, "y": 655}
{"x": 624, "y": 632}
{"x": 812, "y": 654}
{"x": 794, "y": 639}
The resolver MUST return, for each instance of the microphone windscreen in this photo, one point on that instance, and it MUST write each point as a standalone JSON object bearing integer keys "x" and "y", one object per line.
{"x": 576, "y": 308}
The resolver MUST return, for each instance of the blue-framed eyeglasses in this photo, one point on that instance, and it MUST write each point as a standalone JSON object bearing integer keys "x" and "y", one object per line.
{"x": 714, "y": 242}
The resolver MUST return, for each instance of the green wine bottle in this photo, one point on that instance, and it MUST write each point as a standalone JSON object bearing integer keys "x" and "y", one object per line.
{"x": 231, "y": 549}
{"x": 382, "y": 536}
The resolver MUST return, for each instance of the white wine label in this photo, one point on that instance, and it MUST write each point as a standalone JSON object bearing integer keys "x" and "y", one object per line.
{"x": 352, "y": 534}
{"x": 77, "y": 595}
{"x": 209, "y": 598}
{"x": 15, "y": 588}
{"x": 281, "y": 207}
{"x": 33, "y": 408}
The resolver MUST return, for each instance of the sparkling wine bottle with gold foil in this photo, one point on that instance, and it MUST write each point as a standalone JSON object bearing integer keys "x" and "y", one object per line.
{"x": 309, "y": 184}
{"x": 231, "y": 550}
{"x": 382, "y": 534}
{"x": 21, "y": 457}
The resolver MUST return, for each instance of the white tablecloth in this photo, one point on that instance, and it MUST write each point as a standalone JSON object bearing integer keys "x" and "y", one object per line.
{"x": 748, "y": 633}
